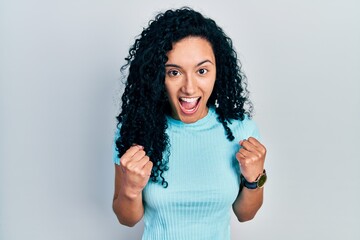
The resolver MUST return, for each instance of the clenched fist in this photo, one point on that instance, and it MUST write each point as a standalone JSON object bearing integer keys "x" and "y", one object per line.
{"x": 251, "y": 157}
{"x": 136, "y": 170}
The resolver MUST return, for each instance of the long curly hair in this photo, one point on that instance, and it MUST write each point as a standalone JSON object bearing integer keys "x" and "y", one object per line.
{"x": 145, "y": 103}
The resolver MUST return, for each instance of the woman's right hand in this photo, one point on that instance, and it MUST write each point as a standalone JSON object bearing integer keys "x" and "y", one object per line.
{"x": 136, "y": 170}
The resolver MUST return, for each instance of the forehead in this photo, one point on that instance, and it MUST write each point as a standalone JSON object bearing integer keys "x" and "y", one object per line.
{"x": 191, "y": 49}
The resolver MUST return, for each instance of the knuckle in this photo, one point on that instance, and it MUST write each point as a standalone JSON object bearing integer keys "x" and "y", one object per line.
{"x": 131, "y": 166}
{"x": 123, "y": 157}
{"x": 144, "y": 174}
{"x": 137, "y": 171}
{"x": 123, "y": 161}
{"x": 264, "y": 149}
{"x": 245, "y": 162}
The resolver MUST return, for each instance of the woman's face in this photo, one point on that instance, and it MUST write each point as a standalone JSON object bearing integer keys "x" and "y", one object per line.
{"x": 190, "y": 78}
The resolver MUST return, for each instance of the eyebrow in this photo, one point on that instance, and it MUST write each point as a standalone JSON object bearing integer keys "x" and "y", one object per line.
{"x": 199, "y": 64}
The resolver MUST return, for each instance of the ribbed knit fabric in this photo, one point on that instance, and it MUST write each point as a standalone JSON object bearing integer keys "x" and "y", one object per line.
{"x": 203, "y": 180}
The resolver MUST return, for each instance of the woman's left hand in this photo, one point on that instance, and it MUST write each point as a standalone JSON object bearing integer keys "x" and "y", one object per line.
{"x": 251, "y": 157}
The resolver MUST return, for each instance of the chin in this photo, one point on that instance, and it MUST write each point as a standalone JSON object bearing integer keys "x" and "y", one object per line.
{"x": 192, "y": 118}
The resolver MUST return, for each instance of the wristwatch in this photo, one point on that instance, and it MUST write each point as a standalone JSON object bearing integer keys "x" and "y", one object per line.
{"x": 259, "y": 182}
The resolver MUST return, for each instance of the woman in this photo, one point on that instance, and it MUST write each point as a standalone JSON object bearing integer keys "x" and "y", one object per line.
{"x": 186, "y": 145}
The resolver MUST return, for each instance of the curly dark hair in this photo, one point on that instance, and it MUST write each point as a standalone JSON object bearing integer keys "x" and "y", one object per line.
{"x": 145, "y": 102}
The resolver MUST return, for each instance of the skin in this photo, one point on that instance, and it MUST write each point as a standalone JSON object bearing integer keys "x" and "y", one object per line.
{"x": 131, "y": 176}
{"x": 251, "y": 158}
{"x": 191, "y": 74}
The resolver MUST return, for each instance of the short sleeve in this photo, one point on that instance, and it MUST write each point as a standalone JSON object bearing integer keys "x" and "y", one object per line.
{"x": 116, "y": 159}
{"x": 253, "y": 129}
{"x": 245, "y": 129}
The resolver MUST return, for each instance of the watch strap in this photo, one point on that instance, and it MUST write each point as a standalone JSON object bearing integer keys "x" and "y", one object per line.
{"x": 251, "y": 185}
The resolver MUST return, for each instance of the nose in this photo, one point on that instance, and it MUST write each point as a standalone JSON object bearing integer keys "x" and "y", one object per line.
{"x": 189, "y": 85}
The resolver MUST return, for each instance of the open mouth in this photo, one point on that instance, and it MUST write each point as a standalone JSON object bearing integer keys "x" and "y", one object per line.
{"x": 189, "y": 105}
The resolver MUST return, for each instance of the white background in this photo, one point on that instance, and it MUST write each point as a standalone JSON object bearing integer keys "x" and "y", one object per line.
{"x": 59, "y": 95}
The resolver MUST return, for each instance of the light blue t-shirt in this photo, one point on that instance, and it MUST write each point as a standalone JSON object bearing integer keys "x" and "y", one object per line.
{"x": 203, "y": 178}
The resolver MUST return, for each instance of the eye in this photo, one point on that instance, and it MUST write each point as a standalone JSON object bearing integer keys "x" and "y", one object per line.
{"x": 173, "y": 73}
{"x": 202, "y": 71}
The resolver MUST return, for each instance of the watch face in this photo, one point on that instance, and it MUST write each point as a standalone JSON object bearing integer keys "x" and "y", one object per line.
{"x": 262, "y": 180}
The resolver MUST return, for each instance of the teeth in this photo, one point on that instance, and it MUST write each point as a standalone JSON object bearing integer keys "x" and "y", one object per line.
{"x": 189, "y": 100}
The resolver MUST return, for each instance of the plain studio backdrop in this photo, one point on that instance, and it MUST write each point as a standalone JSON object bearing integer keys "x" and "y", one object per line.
{"x": 60, "y": 90}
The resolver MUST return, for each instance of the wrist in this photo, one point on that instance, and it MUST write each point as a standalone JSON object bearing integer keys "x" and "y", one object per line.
{"x": 130, "y": 193}
{"x": 258, "y": 183}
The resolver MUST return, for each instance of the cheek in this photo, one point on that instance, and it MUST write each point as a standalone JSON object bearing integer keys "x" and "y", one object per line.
{"x": 169, "y": 90}
{"x": 208, "y": 87}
